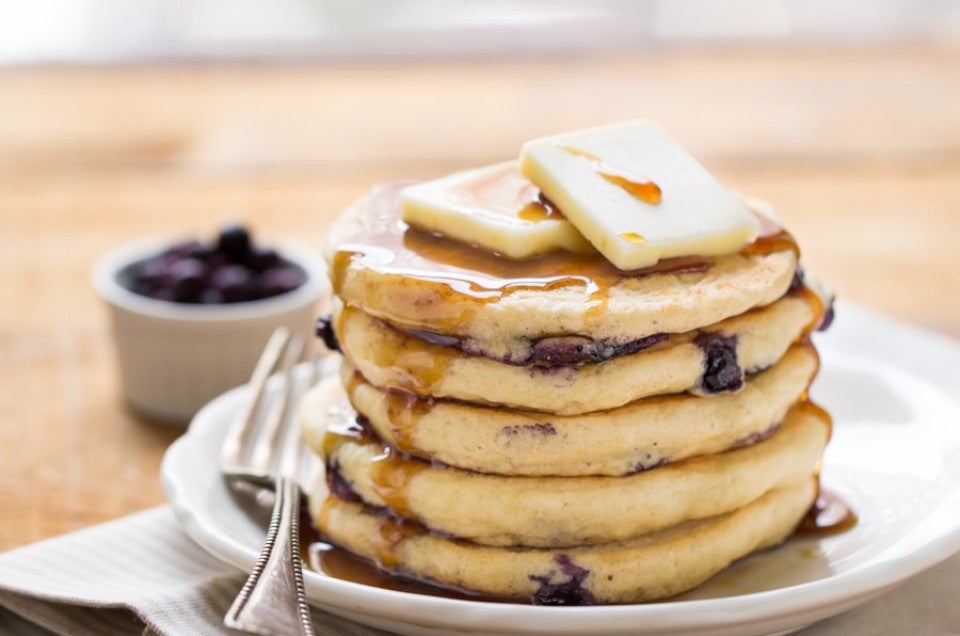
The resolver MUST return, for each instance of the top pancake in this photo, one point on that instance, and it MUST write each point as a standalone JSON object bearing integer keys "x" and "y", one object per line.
{"x": 501, "y": 308}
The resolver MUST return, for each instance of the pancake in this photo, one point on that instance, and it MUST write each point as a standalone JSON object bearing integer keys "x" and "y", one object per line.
{"x": 390, "y": 358}
{"x": 500, "y": 307}
{"x": 568, "y": 511}
{"x": 634, "y": 437}
{"x": 553, "y": 429}
{"x": 646, "y": 568}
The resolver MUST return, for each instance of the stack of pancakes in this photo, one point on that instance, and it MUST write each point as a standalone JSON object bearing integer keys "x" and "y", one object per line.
{"x": 557, "y": 431}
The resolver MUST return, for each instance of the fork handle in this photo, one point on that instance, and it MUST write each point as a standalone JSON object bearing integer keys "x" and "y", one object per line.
{"x": 273, "y": 601}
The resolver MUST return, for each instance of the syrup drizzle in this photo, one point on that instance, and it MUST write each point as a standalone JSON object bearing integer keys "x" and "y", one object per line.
{"x": 391, "y": 470}
{"x": 774, "y": 238}
{"x": 391, "y": 474}
{"x": 503, "y": 191}
{"x": 418, "y": 369}
{"x": 464, "y": 276}
{"x": 539, "y": 208}
{"x": 457, "y": 271}
{"x": 812, "y": 408}
{"x": 341, "y": 430}
{"x": 828, "y": 515}
{"x": 637, "y": 186}
{"x": 404, "y": 411}
{"x": 321, "y": 556}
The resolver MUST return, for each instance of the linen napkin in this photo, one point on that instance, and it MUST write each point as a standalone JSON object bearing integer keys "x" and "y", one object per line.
{"x": 138, "y": 575}
{"x": 143, "y": 575}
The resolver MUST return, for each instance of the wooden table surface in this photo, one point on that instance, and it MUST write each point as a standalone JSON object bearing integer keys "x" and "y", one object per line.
{"x": 858, "y": 148}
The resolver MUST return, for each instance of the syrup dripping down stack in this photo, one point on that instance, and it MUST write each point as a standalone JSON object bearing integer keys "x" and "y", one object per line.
{"x": 555, "y": 430}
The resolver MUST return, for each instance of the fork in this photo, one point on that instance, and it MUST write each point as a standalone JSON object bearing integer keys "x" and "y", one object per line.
{"x": 265, "y": 451}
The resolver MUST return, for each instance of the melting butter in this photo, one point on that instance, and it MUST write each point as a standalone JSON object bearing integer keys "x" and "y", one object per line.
{"x": 623, "y": 181}
{"x": 495, "y": 208}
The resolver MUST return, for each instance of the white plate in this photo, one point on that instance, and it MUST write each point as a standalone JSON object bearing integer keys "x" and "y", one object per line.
{"x": 895, "y": 456}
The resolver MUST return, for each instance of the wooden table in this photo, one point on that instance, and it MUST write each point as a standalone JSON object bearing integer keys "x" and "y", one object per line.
{"x": 859, "y": 149}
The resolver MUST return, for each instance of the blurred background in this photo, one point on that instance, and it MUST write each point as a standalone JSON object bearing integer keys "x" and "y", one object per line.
{"x": 195, "y": 30}
{"x": 122, "y": 119}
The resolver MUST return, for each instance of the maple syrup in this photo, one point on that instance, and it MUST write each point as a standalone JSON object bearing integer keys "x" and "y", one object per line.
{"x": 637, "y": 186}
{"x": 465, "y": 276}
{"x": 539, "y": 208}
{"x": 774, "y": 238}
{"x": 503, "y": 191}
{"x": 404, "y": 411}
{"x": 391, "y": 473}
{"x": 345, "y": 429}
{"x": 828, "y": 515}
{"x": 326, "y": 558}
{"x": 812, "y": 408}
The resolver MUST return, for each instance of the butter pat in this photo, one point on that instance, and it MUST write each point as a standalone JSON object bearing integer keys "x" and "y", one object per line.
{"x": 636, "y": 195}
{"x": 495, "y": 208}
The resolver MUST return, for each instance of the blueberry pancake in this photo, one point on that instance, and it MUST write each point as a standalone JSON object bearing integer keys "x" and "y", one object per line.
{"x": 568, "y": 511}
{"x": 637, "y": 436}
{"x": 649, "y": 567}
{"x": 503, "y": 308}
{"x": 578, "y": 377}
{"x": 710, "y": 360}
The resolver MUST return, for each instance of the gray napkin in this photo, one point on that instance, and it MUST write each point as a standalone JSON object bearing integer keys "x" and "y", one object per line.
{"x": 137, "y": 575}
{"x": 143, "y": 575}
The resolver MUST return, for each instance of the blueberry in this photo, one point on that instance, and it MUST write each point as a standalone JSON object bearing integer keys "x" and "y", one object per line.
{"x": 187, "y": 278}
{"x": 189, "y": 248}
{"x": 798, "y": 280}
{"x": 569, "y": 591}
{"x": 558, "y": 351}
{"x": 211, "y": 296}
{"x": 216, "y": 260}
{"x": 436, "y": 338}
{"x": 279, "y": 280}
{"x": 152, "y": 273}
{"x": 324, "y": 330}
{"x": 233, "y": 271}
{"x": 141, "y": 288}
{"x": 234, "y": 242}
{"x": 232, "y": 281}
{"x": 756, "y": 436}
{"x": 721, "y": 369}
{"x": 338, "y": 484}
{"x": 262, "y": 258}
{"x": 648, "y": 463}
{"x": 634, "y": 346}
{"x": 164, "y": 293}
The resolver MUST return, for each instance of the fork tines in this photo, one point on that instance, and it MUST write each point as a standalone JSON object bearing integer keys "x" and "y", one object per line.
{"x": 254, "y": 444}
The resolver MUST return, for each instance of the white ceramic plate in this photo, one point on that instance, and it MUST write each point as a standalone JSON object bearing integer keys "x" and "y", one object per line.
{"x": 895, "y": 456}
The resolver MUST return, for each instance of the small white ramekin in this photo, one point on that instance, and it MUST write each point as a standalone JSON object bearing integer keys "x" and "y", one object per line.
{"x": 176, "y": 357}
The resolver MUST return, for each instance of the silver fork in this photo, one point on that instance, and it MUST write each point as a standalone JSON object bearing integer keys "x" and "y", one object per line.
{"x": 266, "y": 451}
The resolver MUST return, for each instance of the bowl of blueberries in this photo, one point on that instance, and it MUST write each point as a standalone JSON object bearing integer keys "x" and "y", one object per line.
{"x": 190, "y": 318}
